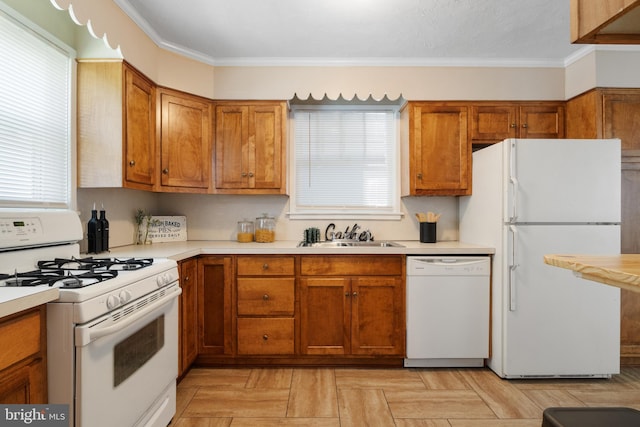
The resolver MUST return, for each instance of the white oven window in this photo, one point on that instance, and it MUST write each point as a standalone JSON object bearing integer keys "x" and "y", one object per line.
{"x": 133, "y": 352}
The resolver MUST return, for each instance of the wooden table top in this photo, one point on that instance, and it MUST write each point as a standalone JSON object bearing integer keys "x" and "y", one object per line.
{"x": 622, "y": 271}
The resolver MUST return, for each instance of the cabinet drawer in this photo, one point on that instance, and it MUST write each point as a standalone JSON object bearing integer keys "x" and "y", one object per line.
{"x": 265, "y": 336}
{"x": 352, "y": 265}
{"x": 265, "y": 296}
{"x": 21, "y": 334}
{"x": 266, "y": 266}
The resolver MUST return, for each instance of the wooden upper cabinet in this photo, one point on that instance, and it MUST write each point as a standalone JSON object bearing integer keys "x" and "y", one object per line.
{"x": 605, "y": 21}
{"x": 250, "y": 147}
{"x": 116, "y": 126}
{"x": 139, "y": 136}
{"x": 498, "y": 121}
{"x": 438, "y": 160}
{"x": 606, "y": 113}
{"x": 185, "y": 142}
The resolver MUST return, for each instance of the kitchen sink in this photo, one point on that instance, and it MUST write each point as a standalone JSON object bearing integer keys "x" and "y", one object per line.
{"x": 353, "y": 244}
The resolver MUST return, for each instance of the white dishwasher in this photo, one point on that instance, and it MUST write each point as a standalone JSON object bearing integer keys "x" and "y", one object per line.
{"x": 447, "y": 311}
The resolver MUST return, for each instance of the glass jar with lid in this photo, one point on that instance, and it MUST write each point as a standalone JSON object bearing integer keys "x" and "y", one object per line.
{"x": 265, "y": 229}
{"x": 245, "y": 231}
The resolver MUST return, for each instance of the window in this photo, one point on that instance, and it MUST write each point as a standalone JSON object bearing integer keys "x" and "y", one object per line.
{"x": 345, "y": 162}
{"x": 35, "y": 109}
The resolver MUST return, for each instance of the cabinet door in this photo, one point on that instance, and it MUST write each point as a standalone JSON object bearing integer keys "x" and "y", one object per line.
{"x": 215, "y": 305}
{"x": 188, "y": 313}
{"x": 25, "y": 384}
{"x": 541, "y": 121}
{"x": 232, "y": 150}
{"x": 493, "y": 123}
{"x": 378, "y": 316}
{"x": 139, "y": 117}
{"x": 265, "y": 128}
{"x": 185, "y": 141}
{"x": 441, "y": 159}
{"x": 325, "y": 315}
{"x": 622, "y": 118}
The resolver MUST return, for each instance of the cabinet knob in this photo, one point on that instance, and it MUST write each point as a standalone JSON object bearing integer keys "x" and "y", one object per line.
{"x": 165, "y": 171}
{"x": 355, "y": 294}
{"x": 265, "y": 266}
{"x": 244, "y": 174}
{"x": 265, "y": 337}
{"x": 524, "y": 125}
{"x": 420, "y": 176}
{"x": 265, "y": 297}
{"x": 132, "y": 162}
{"x": 347, "y": 294}
{"x": 513, "y": 125}
{"x": 250, "y": 174}
{"x": 186, "y": 279}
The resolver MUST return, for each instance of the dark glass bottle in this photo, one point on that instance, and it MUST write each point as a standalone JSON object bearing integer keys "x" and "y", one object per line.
{"x": 104, "y": 223}
{"x": 94, "y": 233}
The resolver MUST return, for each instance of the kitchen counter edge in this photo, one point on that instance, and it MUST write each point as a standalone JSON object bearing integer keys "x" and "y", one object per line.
{"x": 182, "y": 250}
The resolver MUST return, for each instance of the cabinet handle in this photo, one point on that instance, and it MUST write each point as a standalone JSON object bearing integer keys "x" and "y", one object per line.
{"x": 244, "y": 174}
{"x": 524, "y": 125}
{"x": 265, "y": 266}
{"x": 420, "y": 176}
{"x": 265, "y": 297}
{"x": 165, "y": 171}
{"x": 355, "y": 294}
{"x": 265, "y": 337}
{"x": 132, "y": 162}
{"x": 250, "y": 174}
{"x": 186, "y": 279}
{"x": 513, "y": 125}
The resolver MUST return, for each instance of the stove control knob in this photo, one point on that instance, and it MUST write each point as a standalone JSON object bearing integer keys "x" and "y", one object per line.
{"x": 125, "y": 296}
{"x": 164, "y": 279}
{"x": 112, "y": 301}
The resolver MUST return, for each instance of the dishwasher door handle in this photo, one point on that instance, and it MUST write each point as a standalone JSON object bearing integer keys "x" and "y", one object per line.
{"x": 449, "y": 261}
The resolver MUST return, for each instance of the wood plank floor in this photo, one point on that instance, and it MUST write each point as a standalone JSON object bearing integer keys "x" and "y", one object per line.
{"x": 345, "y": 397}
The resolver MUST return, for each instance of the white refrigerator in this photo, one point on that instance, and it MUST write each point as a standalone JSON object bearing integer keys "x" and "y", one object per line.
{"x": 535, "y": 197}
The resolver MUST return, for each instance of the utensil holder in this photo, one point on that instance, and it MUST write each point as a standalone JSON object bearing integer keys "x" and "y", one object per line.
{"x": 428, "y": 232}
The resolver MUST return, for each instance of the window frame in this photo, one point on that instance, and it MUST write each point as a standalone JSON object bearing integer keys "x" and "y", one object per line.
{"x": 393, "y": 212}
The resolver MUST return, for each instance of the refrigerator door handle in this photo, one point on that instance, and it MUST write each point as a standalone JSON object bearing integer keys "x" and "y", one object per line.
{"x": 512, "y": 269}
{"x": 514, "y": 184}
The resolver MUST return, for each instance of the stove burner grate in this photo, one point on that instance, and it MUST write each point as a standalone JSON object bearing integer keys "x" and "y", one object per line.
{"x": 90, "y": 263}
{"x": 67, "y": 278}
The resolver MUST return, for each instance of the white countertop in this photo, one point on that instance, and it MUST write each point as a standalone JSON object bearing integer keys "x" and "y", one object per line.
{"x": 182, "y": 250}
{"x": 16, "y": 299}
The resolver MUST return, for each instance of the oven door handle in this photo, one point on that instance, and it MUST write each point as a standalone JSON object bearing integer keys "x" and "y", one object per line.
{"x": 87, "y": 334}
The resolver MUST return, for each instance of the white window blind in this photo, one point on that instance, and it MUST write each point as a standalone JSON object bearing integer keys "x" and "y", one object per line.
{"x": 345, "y": 162}
{"x": 35, "y": 141}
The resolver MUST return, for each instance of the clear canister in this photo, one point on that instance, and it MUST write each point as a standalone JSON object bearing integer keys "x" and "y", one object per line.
{"x": 245, "y": 231}
{"x": 265, "y": 229}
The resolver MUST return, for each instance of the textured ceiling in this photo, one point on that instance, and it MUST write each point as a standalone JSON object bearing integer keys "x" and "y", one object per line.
{"x": 368, "y": 32}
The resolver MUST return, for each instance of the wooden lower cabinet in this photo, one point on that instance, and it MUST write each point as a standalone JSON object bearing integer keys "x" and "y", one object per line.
{"x": 188, "y": 318}
{"x": 215, "y": 303}
{"x": 257, "y": 310}
{"x": 23, "y": 367}
{"x": 360, "y": 311}
{"x": 265, "y": 305}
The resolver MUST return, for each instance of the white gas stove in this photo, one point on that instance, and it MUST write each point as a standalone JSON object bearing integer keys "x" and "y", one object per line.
{"x": 112, "y": 333}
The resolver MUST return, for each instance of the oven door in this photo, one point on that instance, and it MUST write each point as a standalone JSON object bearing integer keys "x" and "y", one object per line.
{"x": 125, "y": 362}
